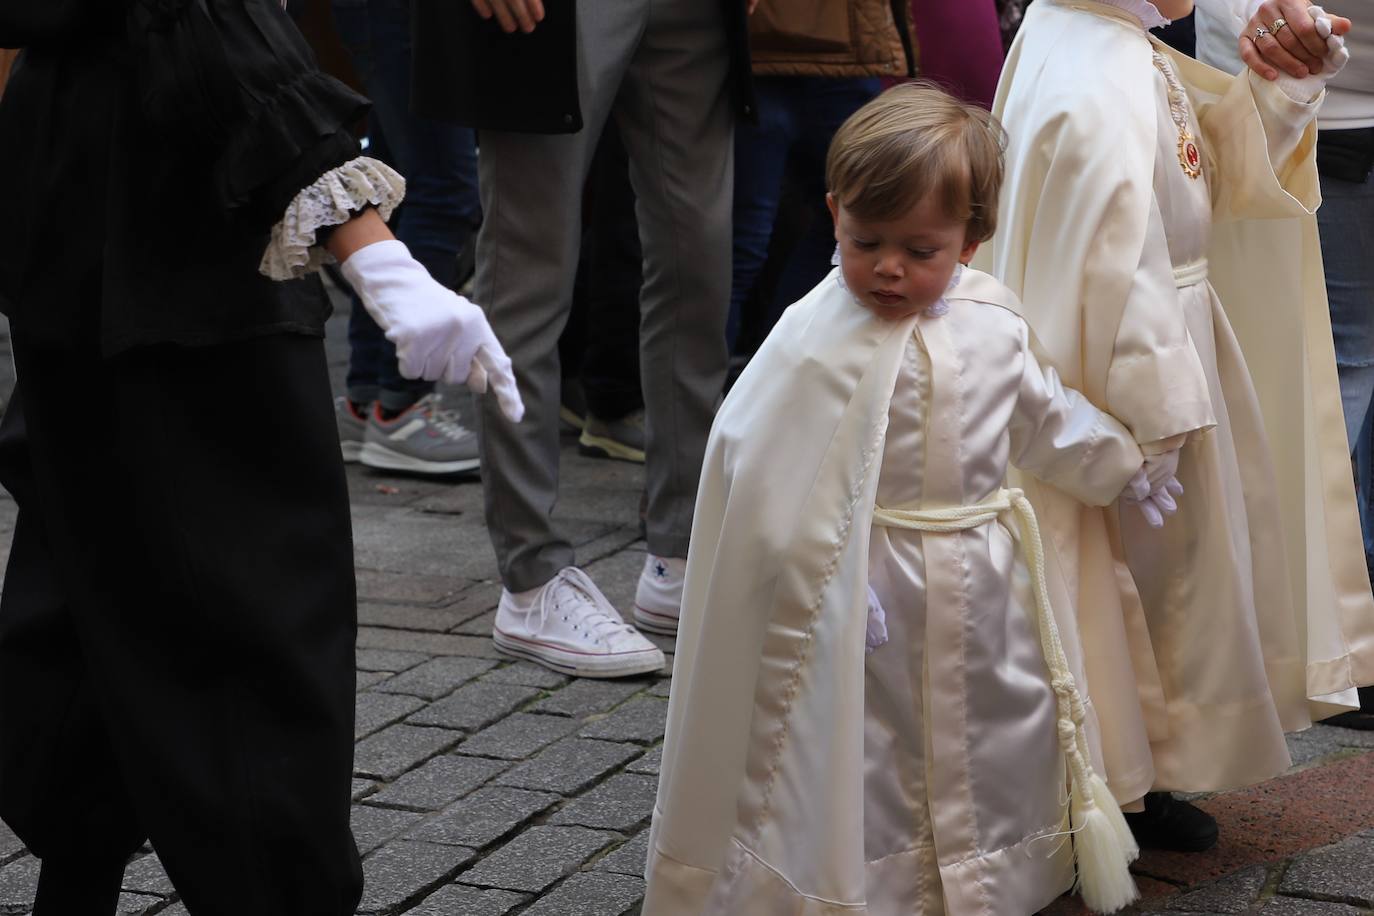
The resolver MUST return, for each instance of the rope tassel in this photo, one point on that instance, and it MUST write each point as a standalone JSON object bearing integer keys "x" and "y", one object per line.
{"x": 1103, "y": 846}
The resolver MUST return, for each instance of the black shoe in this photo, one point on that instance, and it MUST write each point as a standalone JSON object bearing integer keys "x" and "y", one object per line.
{"x": 1361, "y": 719}
{"x": 1167, "y": 823}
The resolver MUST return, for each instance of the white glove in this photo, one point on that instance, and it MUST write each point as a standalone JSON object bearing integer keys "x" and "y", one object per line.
{"x": 1153, "y": 488}
{"x": 438, "y": 334}
{"x": 1309, "y": 87}
{"x": 876, "y": 633}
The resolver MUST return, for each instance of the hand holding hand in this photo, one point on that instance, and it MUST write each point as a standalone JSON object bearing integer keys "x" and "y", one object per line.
{"x": 1295, "y": 38}
{"x": 876, "y": 632}
{"x": 1154, "y": 487}
{"x": 512, "y": 14}
{"x": 438, "y": 334}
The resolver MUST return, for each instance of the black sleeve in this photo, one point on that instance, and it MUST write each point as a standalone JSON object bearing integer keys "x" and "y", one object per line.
{"x": 234, "y": 81}
{"x": 30, "y": 23}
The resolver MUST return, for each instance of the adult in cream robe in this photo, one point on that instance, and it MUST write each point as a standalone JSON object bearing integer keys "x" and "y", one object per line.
{"x": 1203, "y": 643}
{"x": 798, "y": 777}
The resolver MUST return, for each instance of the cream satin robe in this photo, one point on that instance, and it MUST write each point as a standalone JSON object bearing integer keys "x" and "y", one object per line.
{"x": 957, "y": 706}
{"x": 1214, "y": 583}
{"x": 1202, "y": 643}
{"x": 800, "y": 777}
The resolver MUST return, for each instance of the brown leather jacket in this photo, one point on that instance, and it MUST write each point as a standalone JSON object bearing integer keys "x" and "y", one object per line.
{"x": 832, "y": 38}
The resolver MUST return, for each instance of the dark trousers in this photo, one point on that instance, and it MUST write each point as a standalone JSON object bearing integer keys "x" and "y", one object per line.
{"x": 439, "y": 161}
{"x": 177, "y": 627}
{"x": 798, "y": 116}
{"x": 600, "y": 344}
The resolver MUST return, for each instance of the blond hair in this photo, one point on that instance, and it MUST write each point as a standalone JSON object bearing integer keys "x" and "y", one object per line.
{"x": 914, "y": 140}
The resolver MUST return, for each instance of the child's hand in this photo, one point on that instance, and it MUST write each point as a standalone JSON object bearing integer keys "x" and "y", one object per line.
{"x": 876, "y": 633}
{"x": 1153, "y": 488}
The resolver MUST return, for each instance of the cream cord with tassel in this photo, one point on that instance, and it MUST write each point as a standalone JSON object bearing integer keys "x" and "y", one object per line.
{"x": 1102, "y": 841}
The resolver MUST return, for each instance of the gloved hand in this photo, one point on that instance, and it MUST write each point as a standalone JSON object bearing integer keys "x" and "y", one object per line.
{"x": 1309, "y": 87}
{"x": 876, "y": 633}
{"x": 1154, "y": 486}
{"x": 1159, "y": 468}
{"x": 438, "y": 334}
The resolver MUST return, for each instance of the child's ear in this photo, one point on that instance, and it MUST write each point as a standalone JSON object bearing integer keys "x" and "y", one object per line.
{"x": 834, "y": 207}
{"x": 970, "y": 249}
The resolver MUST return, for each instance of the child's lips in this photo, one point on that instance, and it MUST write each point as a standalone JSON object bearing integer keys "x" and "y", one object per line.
{"x": 887, "y": 297}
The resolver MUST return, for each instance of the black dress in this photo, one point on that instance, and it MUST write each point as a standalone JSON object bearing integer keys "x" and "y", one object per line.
{"x": 157, "y": 142}
{"x": 178, "y": 614}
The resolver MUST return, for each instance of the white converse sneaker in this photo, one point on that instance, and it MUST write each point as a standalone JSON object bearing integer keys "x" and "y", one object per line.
{"x": 658, "y": 598}
{"x": 569, "y": 626}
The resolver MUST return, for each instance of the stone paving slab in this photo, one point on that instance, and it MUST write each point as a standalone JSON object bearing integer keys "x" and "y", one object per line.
{"x": 437, "y": 677}
{"x": 147, "y": 876}
{"x": 484, "y": 816}
{"x": 569, "y": 766}
{"x": 373, "y": 826}
{"x": 398, "y": 748}
{"x": 405, "y": 871}
{"x": 458, "y": 899}
{"x": 628, "y": 859}
{"x": 641, "y": 721}
{"x": 1339, "y": 873}
{"x": 518, "y": 736}
{"x": 1291, "y": 906}
{"x": 537, "y": 858}
{"x": 373, "y": 711}
{"x": 438, "y": 782}
{"x": 475, "y": 706}
{"x": 592, "y": 894}
{"x": 621, "y": 803}
{"x": 18, "y": 884}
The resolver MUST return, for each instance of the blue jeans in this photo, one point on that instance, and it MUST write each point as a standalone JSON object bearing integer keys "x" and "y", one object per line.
{"x": 439, "y": 161}
{"x": 798, "y": 115}
{"x": 1346, "y": 219}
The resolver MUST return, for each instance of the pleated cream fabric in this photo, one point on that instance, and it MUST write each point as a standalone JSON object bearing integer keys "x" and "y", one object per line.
{"x": 1193, "y": 309}
{"x": 799, "y": 776}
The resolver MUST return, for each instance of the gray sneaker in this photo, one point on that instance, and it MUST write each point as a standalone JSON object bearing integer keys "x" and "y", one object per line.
{"x": 622, "y": 439}
{"x": 423, "y": 439}
{"x": 351, "y": 427}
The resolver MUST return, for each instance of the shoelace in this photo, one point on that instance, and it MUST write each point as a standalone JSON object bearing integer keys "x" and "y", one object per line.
{"x": 602, "y": 622}
{"x": 444, "y": 420}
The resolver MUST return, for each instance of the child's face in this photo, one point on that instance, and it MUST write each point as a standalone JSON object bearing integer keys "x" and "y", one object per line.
{"x": 898, "y": 267}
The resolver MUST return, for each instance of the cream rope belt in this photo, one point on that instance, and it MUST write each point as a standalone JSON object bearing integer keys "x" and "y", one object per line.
{"x": 1088, "y": 790}
{"x": 1186, "y": 275}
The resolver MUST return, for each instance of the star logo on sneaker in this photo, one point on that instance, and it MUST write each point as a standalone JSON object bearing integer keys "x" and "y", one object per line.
{"x": 660, "y": 571}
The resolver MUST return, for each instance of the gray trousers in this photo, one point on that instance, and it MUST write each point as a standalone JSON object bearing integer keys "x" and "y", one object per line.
{"x": 661, "y": 67}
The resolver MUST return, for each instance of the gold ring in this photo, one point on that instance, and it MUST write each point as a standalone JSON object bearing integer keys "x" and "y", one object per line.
{"x": 1278, "y": 26}
{"x": 1260, "y": 32}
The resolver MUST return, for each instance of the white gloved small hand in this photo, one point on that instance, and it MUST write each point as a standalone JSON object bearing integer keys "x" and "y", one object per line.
{"x": 1309, "y": 87}
{"x": 1159, "y": 468}
{"x": 438, "y": 334}
{"x": 876, "y": 633}
{"x": 1154, "y": 487}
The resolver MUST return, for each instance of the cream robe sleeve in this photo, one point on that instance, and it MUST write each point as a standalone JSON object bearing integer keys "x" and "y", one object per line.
{"x": 1156, "y": 385}
{"x": 1088, "y": 256}
{"x": 1058, "y": 436}
{"x": 1255, "y": 114}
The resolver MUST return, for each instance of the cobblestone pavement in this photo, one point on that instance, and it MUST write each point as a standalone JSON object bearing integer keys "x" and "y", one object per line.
{"x": 486, "y": 787}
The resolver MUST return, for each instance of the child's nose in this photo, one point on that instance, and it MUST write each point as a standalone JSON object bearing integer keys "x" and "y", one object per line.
{"x": 889, "y": 266}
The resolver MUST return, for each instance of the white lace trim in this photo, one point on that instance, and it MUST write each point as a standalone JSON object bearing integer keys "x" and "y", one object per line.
{"x": 1148, "y": 14}
{"x": 332, "y": 199}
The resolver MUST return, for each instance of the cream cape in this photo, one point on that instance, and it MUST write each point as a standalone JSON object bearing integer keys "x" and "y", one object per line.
{"x": 1078, "y": 100}
{"x": 762, "y": 799}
